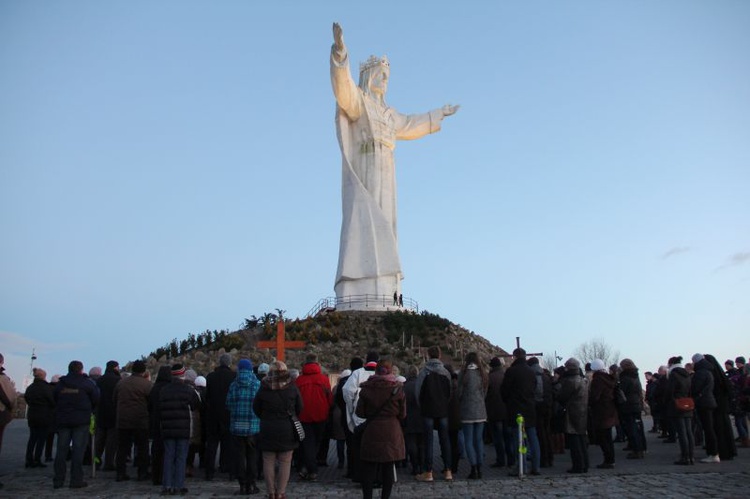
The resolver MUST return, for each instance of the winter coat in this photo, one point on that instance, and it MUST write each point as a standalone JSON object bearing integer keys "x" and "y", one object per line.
{"x": 338, "y": 400}
{"x": 573, "y": 394}
{"x": 217, "y": 386}
{"x": 106, "y": 410}
{"x": 243, "y": 390}
{"x": 315, "y": 389}
{"x": 413, "y": 422}
{"x": 131, "y": 399}
{"x": 602, "y": 401}
{"x": 438, "y": 406}
{"x": 678, "y": 387}
{"x": 517, "y": 391}
{"x": 702, "y": 386}
{"x": 493, "y": 401}
{"x": 40, "y": 403}
{"x": 7, "y": 393}
{"x": 75, "y": 398}
{"x": 454, "y": 408}
{"x": 177, "y": 400}
{"x": 272, "y": 407}
{"x": 163, "y": 378}
{"x": 382, "y": 440}
{"x": 471, "y": 393}
{"x": 631, "y": 387}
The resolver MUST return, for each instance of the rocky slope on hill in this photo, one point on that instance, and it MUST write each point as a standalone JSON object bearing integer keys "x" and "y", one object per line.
{"x": 336, "y": 337}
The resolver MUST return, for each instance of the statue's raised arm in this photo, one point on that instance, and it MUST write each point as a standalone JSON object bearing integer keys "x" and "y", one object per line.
{"x": 338, "y": 42}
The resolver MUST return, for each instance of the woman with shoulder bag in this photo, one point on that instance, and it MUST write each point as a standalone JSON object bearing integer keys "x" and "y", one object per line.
{"x": 277, "y": 399}
{"x": 383, "y": 404}
{"x": 678, "y": 387}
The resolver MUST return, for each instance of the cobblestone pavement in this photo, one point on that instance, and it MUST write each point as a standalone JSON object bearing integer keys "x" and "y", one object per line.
{"x": 654, "y": 476}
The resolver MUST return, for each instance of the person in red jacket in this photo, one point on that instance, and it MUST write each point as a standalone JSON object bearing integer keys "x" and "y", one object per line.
{"x": 315, "y": 388}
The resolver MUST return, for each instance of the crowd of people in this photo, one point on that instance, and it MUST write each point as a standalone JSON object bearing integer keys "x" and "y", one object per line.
{"x": 259, "y": 423}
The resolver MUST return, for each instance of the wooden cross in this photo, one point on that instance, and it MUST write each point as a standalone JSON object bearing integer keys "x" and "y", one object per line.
{"x": 279, "y": 343}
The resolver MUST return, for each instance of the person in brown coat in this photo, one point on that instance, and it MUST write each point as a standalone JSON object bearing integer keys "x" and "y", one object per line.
{"x": 603, "y": 410}
{"x": 132, "y": 420}
{"x": 383, "y": 404}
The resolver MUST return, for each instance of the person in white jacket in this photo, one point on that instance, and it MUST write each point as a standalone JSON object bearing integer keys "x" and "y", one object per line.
{"x": 350, "y": 392}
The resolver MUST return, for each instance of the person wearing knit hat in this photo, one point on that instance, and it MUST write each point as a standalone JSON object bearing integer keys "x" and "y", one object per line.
{"x": 217, "y": 417}
{"x": 177, "y": 403}
{"x": 383, "y": 405}
{"x": 244, "y": 425}
{"x": 276, "y": 400}
{"x": 200, "y": 381}
{"x": 630, "y": 411}
{"x": 40, "y": 416}
{"x": 350, "y": 393}
{"x": 598, "y": 365}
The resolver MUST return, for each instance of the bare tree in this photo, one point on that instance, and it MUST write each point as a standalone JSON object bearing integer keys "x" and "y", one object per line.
{"x": 549, "y": 362}
{"x": 596, "y": 349}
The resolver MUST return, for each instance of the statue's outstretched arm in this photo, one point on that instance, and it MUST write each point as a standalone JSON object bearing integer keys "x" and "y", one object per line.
{"x": 339, "y": 49}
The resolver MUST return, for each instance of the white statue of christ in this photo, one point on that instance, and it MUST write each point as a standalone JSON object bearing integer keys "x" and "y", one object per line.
{"x": 367, "y": 130}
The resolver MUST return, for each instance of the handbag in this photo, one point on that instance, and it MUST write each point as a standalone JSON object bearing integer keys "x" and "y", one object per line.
{"x": 299, "y": 430}
{"x": 684, "y": 404}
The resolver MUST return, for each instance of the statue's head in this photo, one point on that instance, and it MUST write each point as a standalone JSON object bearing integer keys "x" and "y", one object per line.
{"x": 374, "y": 74}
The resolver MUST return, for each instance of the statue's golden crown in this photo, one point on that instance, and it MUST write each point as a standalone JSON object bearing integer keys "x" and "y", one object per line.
{"x": 374, "y": 61}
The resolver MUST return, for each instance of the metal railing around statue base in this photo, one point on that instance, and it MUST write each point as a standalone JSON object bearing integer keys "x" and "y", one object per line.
{"x": 362, "y": 302}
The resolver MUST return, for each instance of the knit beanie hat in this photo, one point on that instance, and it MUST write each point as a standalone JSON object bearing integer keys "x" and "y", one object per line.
{"x": 598, "y": 365}
{"x": 178, "y": 371}
{"x": 263, "y": 368}
{"x": 245, "y": 365}
{"x": 697, "y": 357}
{"x": 200, "y": 381}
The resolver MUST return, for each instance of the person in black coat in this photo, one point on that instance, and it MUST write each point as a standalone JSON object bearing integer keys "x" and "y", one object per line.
{"x": 276, "y": 400}
{"x": 702, "y": 389}
{"x": 723, "y": 393}
{"x": 76, "y": 397}
{"x": 517, "y": 391}
{"x": 176, "y": 402}
{"x": 678, "y": 388}
{"x": 40, "y": 403}
{"x": 106, "y": 433}
{"x": 413, "y": 427}
{"x": 163, "y": 378}
{"x": 630, "y": 410}
{"x": 217, "y": 417}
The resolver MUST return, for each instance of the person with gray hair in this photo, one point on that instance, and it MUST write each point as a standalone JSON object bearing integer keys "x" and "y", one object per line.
{"x": 217, "y": 417}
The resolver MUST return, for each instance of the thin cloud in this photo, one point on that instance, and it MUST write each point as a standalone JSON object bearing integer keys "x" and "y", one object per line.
{"x": 736, "y": 260}
{"x": 675, "y": 251}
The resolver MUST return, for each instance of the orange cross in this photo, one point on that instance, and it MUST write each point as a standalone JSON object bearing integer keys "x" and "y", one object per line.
{"x": 279, "y": 343}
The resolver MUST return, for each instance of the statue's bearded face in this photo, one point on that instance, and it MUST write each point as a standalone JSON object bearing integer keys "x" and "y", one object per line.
{"x": 379, "y": 80}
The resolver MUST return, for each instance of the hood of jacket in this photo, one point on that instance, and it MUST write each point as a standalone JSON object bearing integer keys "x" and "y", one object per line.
{"x": 245, "y": 377}
{"x": 311, "y": 368}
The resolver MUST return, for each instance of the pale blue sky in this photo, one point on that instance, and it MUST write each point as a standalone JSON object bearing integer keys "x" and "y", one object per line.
{"x": 170, "y": 167}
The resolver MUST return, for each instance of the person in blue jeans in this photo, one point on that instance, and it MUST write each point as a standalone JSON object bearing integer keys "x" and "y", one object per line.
{"x": 75, "y": 398}
{"x": 517, "y": 391}
{"x": 176, "y": 401}
{"x": 433, "y": 391}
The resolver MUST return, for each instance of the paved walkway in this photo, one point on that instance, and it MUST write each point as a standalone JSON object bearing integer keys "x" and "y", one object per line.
{"x": 655, "y": 476}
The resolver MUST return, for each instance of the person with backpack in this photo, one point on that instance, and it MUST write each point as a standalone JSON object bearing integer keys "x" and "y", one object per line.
{"x": 433, "y": 392}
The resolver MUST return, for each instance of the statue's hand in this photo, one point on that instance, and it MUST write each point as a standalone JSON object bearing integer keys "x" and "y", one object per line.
{"x": 338, "y": 37}
{"x": 450, "y": 109}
